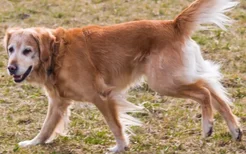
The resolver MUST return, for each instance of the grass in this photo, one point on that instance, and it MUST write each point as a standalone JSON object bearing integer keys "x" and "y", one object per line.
{"x": 170, "y": 125}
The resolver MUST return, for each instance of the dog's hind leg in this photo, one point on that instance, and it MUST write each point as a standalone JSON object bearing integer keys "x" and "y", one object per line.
{"x": 57, "y": 115}
{"x": 202, "y": 95}
{"x": 232, "y": 122}
{"x": 210, "y": 75}
{"x": 221, "y": 103}
{"x": 113, "y": 108}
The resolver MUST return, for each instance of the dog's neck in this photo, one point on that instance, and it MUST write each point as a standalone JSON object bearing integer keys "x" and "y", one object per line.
{"x": 44, "y": 73}
{"x": 51, "y": 68}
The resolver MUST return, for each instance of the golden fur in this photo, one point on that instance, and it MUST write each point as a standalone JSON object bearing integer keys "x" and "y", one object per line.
{"x": 98, "y": 64}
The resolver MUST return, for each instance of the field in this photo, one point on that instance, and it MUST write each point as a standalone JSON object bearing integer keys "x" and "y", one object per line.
{"x": 170, "y": 125}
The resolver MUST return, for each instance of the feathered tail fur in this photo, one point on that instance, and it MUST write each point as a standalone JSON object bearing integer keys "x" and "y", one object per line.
{"x": 204, "y": 12}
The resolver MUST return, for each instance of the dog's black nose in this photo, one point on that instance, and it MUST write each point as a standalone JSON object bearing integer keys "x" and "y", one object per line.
{"x": 12, "y": 69}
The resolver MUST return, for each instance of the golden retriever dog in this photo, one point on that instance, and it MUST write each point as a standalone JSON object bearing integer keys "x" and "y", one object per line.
{"x": 98, "y": 64}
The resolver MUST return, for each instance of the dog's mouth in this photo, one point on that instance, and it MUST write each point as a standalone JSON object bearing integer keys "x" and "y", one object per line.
{"x": 20, "y": 78}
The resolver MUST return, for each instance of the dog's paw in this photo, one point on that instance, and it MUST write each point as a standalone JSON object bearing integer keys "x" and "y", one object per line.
{"x": 208, "y": 129}
{"x": 237, "y": 134}
{"x": 209, "y": 132}
{"x": 118, "y": 148}
{"x": 27, "y": 143}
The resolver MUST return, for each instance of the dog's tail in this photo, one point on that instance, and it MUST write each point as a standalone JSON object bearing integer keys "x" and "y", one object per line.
{"x": 204, "y": 12}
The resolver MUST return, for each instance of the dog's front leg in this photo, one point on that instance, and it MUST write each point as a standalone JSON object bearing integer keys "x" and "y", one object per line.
{"x": 57, "y": 110}
{"x": 109, "y": 109}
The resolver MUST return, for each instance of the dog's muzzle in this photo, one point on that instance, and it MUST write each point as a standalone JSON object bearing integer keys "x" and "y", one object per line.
{"x": 20, "y": 78}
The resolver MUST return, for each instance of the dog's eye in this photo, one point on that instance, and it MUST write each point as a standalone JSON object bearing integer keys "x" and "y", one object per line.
{"x": 27, "y": 51}
{"x": 11, "y": 50}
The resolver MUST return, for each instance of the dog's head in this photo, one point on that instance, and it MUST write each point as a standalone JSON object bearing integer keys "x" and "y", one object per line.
{"x": 27, "y": 49}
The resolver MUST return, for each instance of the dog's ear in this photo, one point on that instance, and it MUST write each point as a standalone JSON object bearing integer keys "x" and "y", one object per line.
{"x": 6, "y": 40}
{"x": 45, "y": 40}
{"x": 8, "y": 36}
